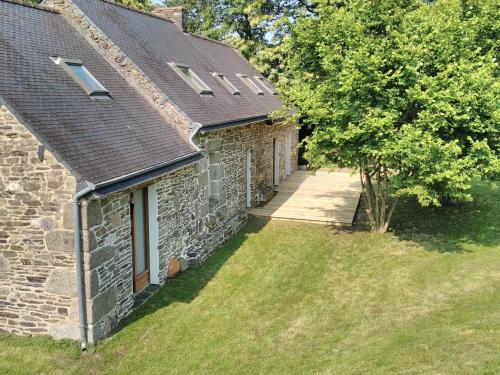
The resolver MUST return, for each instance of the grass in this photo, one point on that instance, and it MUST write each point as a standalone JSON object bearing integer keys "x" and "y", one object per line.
{"x": 285, "y": 297}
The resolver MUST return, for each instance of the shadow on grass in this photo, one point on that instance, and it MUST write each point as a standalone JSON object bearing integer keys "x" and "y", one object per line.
{"x": 452, "y": 228}
{"x": 187, "y": 286}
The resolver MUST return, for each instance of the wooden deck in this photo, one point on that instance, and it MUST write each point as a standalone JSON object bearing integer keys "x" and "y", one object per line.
{"x": 324, "y": 197}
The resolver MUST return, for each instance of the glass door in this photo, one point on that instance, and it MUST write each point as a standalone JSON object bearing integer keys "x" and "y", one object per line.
{"x": 140, "y": 238}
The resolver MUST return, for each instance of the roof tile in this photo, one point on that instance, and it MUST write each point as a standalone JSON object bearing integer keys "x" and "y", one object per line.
{"x": 98, "y": 139}
{"x": 151, "y": 43}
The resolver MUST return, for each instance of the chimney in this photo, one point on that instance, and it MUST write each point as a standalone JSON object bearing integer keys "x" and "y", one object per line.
{"x": 175, "y": 14}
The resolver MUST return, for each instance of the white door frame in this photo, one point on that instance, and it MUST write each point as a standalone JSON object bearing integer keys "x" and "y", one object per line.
{"x": 288, "y": 156}
{"x": 276, "y": 161}
{"x": 249, "y": 178}
{"x": 154, "y": 255}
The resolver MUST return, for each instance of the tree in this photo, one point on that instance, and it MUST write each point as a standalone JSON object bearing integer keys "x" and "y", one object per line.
{"x": 255, "y": 27}
{"x": 404, "y": 91}
{"x": 138, "y": 4}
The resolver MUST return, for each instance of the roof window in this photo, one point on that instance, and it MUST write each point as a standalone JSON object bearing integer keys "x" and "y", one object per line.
{"x": 83, "y": 77}
{"x": 191, "y": 78}
{"x": 251, "y": 84}
{"x": 226, "y": 83}
{"x": 265, "y": 83}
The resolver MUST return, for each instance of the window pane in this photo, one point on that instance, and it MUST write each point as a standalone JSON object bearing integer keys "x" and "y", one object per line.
{"x": 86, "y": 78}
{"x": 251, "y": 84}
{"x": 191, "y": 78}
{"x": 140, "y": 231}
{"x": 185, "y": 71}
{"x": 266, "y": 84}
{"x": 226, "y": 83}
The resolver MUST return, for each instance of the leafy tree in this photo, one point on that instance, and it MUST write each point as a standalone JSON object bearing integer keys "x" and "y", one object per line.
{"x": 138, "y": 4}
{"x": 404, "y": 91}
{"x": 255, "y": 27}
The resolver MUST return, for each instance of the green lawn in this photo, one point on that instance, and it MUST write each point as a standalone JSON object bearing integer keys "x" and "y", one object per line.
{"x": 294, "y": 298}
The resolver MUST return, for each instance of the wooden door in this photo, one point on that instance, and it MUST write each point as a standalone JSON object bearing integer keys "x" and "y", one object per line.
{"x": 140, "y": 238}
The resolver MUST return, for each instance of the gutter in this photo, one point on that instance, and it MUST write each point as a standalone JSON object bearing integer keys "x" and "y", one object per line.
{"x": 77, "y": 227}
{"x": 235, "y": 123}
{"x": 128, "y": 176}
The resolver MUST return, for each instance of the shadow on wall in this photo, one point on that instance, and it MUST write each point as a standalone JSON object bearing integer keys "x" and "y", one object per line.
{"x": 188, "y": 285}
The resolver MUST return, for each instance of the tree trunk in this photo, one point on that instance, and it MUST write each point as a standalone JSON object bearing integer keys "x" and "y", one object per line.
{"x": 379, "y": 204}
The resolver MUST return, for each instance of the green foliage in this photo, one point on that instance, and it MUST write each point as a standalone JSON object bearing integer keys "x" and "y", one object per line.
{"x": 296, "y": 298}
{"x": 406, "y": 91}
{"x": 138, "y": 4}
{"x": 255, "y": 27}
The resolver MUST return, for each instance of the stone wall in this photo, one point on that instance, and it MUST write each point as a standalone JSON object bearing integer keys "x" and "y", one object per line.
{"x": 37, "y": 266}
{"x": 199, "y": 208}
{"x": 193, "y": 220}
{"x": 232, "y": 145}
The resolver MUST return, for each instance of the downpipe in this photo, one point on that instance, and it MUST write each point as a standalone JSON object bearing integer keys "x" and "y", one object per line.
{"x": 82, "y": 311}
{"x": 80, "y": 285}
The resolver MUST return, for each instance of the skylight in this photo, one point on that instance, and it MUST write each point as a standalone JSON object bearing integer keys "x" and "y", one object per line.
{"x": 226, "y": 83}
{"x": 251, "y": 84}
{"x": 265, "y": 83}
{"x": 191, "y": 78}
{"x": 83, "y": 77}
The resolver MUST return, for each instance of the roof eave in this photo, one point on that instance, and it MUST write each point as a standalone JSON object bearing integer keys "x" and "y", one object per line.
{"x": 240, "y": 122}
{"x": 106, "y": 188}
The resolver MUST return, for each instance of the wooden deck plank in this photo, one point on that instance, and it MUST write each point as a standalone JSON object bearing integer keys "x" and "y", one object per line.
{"x": 321, "y": 197}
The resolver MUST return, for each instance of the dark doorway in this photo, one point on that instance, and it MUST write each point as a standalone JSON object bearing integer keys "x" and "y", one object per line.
{"x": 304, "y": 132}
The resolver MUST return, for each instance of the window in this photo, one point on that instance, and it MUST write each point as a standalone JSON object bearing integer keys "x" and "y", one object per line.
{"x": 226, "y": 83}
{"x": 251, "y": 84}
{"x": 265, "y": 83}
{"x": 139, "y": 218}
{"x": 83, "y": 77}
{"x": 215, "y": 177}
{"x": 191, "y": 78}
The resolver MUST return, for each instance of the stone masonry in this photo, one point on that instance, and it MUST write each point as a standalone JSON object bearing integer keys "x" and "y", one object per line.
{"x": 199, "y": 207}
{"x": 192, "y": 220}
{"x": 37, "y": 266}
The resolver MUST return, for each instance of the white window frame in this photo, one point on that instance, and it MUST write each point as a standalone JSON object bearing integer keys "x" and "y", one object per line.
{"x": 154, "y": 254}
{"x": 249, "y": 178}
{"x": 250, "y": 84}
{"x": 222, "y": 78}
{"x": 265, "y": 83}
{"x": 193, "y": 80}
{"x": 66, "y": 64}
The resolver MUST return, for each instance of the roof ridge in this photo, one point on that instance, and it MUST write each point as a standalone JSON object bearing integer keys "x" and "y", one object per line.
{"x": 34, "y": 6}
{"x": 145, "y": 12}
{"x": 151, "y": 14}
{"x": 208, "y": 39}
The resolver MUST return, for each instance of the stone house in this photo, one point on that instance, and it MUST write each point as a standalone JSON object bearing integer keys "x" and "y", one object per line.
{"x": 126, "y": 143}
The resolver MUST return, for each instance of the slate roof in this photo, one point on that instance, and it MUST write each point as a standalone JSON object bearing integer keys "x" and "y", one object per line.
{"x": 98, "y": 140}
{"x": 151, "y": 43}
